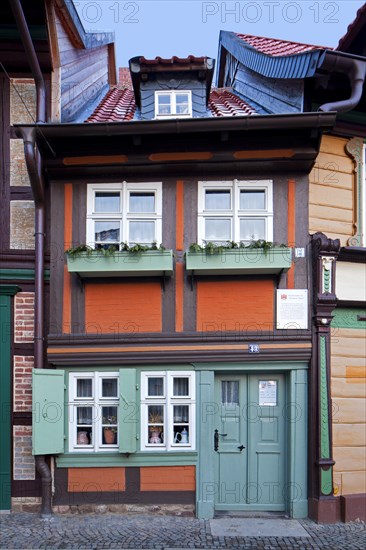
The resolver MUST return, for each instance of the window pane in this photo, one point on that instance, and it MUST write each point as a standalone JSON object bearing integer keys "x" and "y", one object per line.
{"x": 181, "y": 101}
{"x": 164, "y": 107}
{"x": 84, "y": 387}
{"x": 155, "y": 387}
{"x": 142, "y": 202}
{"x": 230, "y": 392}
{"x": 142, "y": 232}
{"x": 109, "y": 416}
{"x": 107, "y": 202}
{"x": 218, "y": 199}
{"x": 156, "y": 414}
{"x": 109, "y": 425}
{"x": 107, "y": 231}
{"x": 181, "y": 413}
{"x": 109, "y": 387}
{"x": 181, "y": 387}
{"x": 155, "y": 429}
{"x": 252, "y": 200}
{"x": 252, "y": 229}
{"x": 84, "y": 415}
{"x": 218, "y": 230}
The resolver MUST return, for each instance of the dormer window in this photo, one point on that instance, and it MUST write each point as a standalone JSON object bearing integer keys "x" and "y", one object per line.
{"x": 173, "y": 104}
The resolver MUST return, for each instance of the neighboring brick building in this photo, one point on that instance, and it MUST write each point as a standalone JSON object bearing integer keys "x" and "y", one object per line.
{"x": 58, "y": 38}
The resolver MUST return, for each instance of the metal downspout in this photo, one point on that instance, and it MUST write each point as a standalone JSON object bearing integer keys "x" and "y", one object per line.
{"x": 34, "y": 167}
{"x": 355, "y": 69}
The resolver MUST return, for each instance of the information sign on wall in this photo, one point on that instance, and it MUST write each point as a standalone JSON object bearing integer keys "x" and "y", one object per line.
{"x": 292, "y": 309}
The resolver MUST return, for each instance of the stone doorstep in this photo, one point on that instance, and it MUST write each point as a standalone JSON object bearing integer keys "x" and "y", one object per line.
{"x": 186, "y": 510}
{"x": 257, "y": 527}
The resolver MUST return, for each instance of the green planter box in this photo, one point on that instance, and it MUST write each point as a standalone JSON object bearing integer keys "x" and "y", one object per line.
{"x": 122, "y": 264}
{"x": 240, "y": 261}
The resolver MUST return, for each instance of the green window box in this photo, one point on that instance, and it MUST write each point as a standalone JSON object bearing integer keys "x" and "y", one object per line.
{"x": 122, "y": 264}
{"x": 240, "y": 261}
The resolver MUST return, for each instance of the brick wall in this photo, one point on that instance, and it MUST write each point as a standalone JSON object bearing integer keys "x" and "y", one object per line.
{"x": 23, "y": 367}
{"x": 22, "y": 101}
{"x": 24, "y": 317}
{"x": 24, "y": 467}
{"x": 22, "y": 225}
{"x": 18, "y": 169}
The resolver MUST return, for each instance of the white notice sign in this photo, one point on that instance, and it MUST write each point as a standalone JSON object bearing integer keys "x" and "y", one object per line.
{"x": 292, "y": 309}
{"x": 267, "y": 393}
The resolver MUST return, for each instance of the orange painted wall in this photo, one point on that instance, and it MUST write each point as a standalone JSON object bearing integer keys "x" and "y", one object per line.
{"x": 95, "y": 480}
{"x": 123, "y": 307}
{"x": 235, "y": 305}
{"x": 168, "y": 478}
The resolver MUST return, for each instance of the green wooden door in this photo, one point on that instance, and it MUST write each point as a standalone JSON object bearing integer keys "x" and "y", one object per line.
{"x": 250, "y": 442}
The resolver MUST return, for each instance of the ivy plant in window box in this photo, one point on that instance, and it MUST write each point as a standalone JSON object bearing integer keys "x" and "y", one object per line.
{"x": 120, "y": 261}
{"x": 257, "y": 257}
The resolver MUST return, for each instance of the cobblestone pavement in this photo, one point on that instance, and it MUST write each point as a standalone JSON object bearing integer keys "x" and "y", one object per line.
{"x": 26, "y": 530}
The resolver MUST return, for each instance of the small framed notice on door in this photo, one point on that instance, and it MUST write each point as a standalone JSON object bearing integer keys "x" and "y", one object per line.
{"x": 267, "y": 393}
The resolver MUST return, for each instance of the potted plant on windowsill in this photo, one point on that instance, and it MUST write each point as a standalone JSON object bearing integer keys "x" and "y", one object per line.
{"x": 120, "y": 260}
{"x": 109, "y": 429}
{"x": 231, "y": 258}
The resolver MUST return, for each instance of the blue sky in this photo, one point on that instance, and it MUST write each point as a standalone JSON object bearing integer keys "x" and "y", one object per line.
{"x": 175, "y": 27}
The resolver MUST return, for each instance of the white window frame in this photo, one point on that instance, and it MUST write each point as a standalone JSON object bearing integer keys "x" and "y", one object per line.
{"x": 235, "y": 214}
{"x": 168, "y": 401}
{"x": 124, "y": 216}
{"x": 173, "y": 94}
{"x": 96, "y": 403}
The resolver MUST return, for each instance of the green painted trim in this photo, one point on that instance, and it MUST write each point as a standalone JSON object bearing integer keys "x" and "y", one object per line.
{"x": 326, "y": 279}
{"x": 326, "y": 484}
{"x": 95, "y": 460}
{"x": 279, "y": 366}
{"x": 247, "y": 261}
{"x": 347, "y": 318}
{"x": 9, "y": 290}
{"x": 324, "y": 418}
{"x": 6, "y": 292}
{"x": 122, "y": 264}
{"x": 21, "y": 274}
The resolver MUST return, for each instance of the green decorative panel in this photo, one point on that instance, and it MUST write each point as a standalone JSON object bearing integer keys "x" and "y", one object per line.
{"x": 246, "y": 261}
{"x": 128, "y": 411}
{"x": 6, "y": 291}
{"x": 326, "y": 484}
{"x": 48, "y": 411}
{"x": 324, "y": 418}
{"x": 349, "y": 318}
{"x": 21, "y": 274}
{"x": 122, "y": 264}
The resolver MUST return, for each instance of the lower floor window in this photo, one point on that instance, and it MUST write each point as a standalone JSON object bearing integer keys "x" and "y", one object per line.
{"x": 93, "y": 411}
{"x": 167, "y": 410}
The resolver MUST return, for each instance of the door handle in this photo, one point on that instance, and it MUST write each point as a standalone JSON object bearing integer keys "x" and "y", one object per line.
{"x": 241, "y": 447}
{"x": 216, "y": 439}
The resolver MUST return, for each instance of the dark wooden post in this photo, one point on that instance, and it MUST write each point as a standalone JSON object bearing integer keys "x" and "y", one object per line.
{"x": 322, "y": 504}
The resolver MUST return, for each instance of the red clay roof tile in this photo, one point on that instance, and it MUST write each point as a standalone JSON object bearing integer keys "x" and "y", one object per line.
{"x": 276, "y": 47}
{"x": 222, "y": 102}
{"x": 119, "y": 106}
{"x": 116, "y": 106}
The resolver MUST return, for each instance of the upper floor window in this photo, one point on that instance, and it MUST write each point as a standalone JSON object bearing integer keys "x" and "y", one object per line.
{"x": 173, "y": 104}
{"x": 124, "y": 212}
{"x": 240, "y": 211}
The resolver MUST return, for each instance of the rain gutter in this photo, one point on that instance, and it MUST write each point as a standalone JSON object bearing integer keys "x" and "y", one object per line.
{"x": 354, "y": 67}
{"x": 34, "y": 167}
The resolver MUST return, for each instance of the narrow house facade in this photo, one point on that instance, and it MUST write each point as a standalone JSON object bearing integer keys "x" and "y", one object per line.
{"x": 178, "y": 375}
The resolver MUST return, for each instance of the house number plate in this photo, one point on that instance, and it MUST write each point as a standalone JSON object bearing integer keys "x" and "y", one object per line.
{"x": 253, "y": 348}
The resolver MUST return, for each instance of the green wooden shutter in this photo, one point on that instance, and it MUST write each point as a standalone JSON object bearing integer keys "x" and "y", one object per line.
{"x": 128, "y": 411}
{"x": 48, "y": 411}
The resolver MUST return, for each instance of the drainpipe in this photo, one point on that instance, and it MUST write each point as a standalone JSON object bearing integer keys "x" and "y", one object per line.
{"x": 355, "y": 69}
{"x": 34, "y": 167}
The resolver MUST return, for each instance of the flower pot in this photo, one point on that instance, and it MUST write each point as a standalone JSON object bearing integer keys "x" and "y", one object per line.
{"x": 109, "y": 436}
